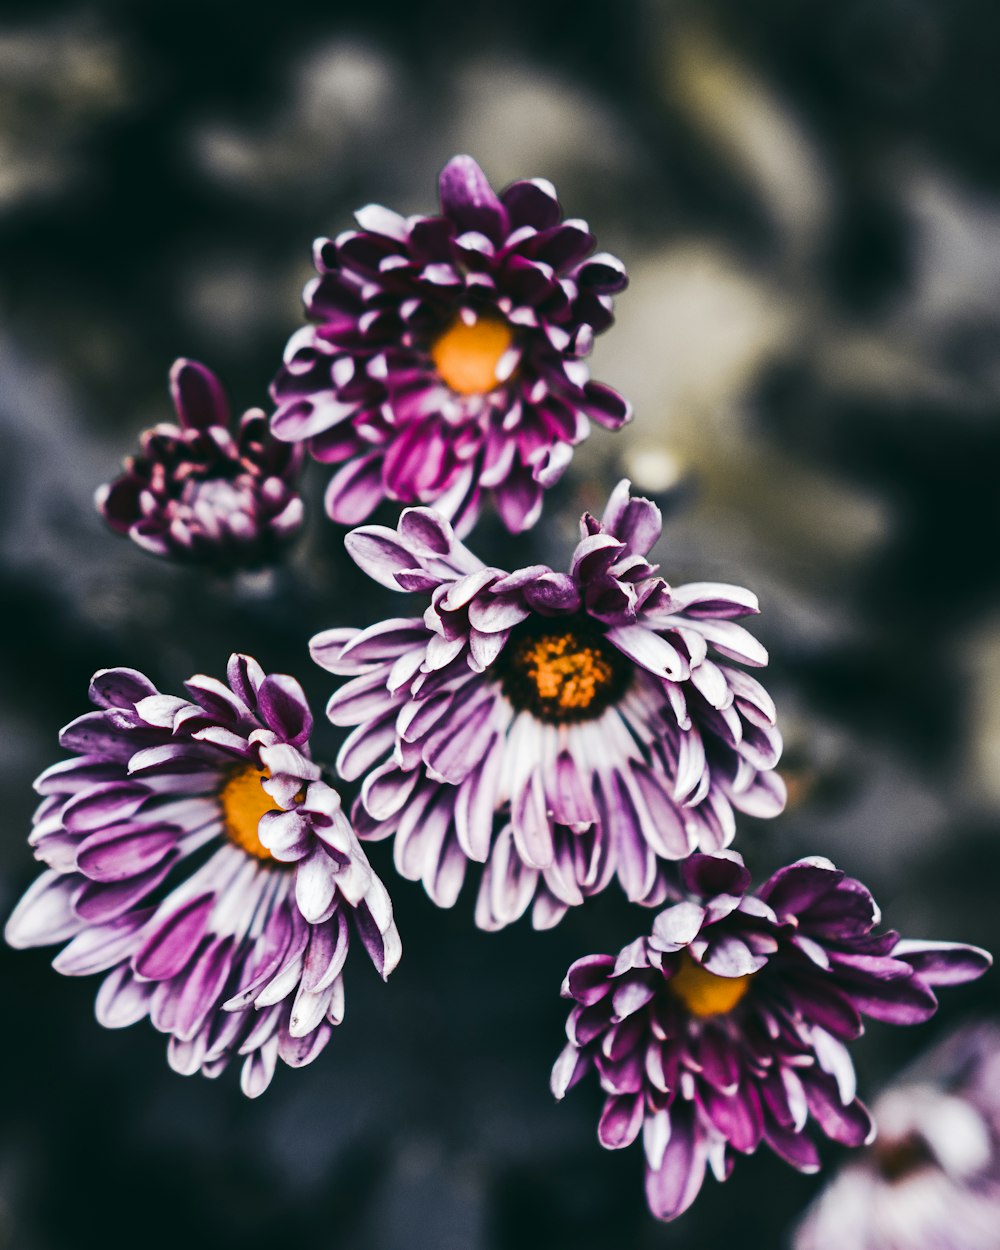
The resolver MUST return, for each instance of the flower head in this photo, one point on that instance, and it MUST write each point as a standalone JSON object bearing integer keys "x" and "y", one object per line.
{"x": 448, "y": 353}
{"x": 561, "y": 728}
{"x": 931, "y": 1181}
{"x": 725, "y": 1028}
{"x": 202, "y": 492}
{"x": 196, "y": 856}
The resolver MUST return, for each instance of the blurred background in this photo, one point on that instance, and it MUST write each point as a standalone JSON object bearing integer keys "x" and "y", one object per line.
{"x": 807, "y": 196}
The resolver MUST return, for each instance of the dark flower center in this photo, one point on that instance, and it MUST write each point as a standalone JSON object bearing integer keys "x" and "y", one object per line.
{"x": 897, "y": 1159}
{"x": 244, "y": 801}
{"x": 468, "y": 354}
{"x": 562, "y": 670}
{"x": 705, "y": 993}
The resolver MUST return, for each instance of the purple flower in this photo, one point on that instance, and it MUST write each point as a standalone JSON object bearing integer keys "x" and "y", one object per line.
{"x": 725, "y": 1028}
{"x": 931, "y": 1181}
{"x": 598, "y": 714}
{"x": 447, "y": 358}
{"x": 201, "y": 492}
{"x": 197, "y": 858}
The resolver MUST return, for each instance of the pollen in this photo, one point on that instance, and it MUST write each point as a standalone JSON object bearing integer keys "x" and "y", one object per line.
{"x": 704, "y": 993}
{"x": 467, "y": 356}
{"x": 244, "y": 801}
{"x": 564, "y": 674}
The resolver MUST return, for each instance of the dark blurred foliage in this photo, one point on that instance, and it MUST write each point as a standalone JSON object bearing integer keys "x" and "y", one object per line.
{"x": 806, "y": 194}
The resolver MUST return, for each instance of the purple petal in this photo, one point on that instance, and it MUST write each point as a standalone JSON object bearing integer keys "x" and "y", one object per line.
{"x": 257, "y": 1071}
{"x": 45, "y": 914}
{"x": 99, "y": 902}
{"x": 649, "y": 650}
{"x": 943, "y": 963}
{"x": 850, "y": 1125}
{"x": 532, "y": 202}
{"x": 738, "y": 1117}
{"x": 202, "y": 987}
{"x": 103, "y": 805}
{"x": 634, "y": 521}
{"x": 795, "y": 1148}
{"x": 427, "y": 528}
{"x": 587, "y": 979}
{"x": 469, "y": 200}
{"x": 519, "y": 502}
{"x": 124, "y": 851}
{"x": 101, "y": 947}
{"x": 492, "y": 613}
{"x": 567, "y": 1070}
{"x": 552, "y": 592}
{"x": 709, "y": 875}
{"x": 355, "y": 491}
{"x": 795, "y": 888}
{"x": 198, "y": 397}
{"x": 378, "y": 552}
{"x": 677, "y": 926}
{"x": 316, "y": 886}
{"x": 284, "y": 708}
{"x": 327, "y": 952}
{"x": 672, "y": 1188}
{"x": 620, "y": 1122}
{"x": 712, "y": 599}
{"x": 173, "y": 939}
{"x": 119, "y": 687}
{"x": 122, "y": 1000}
{"x": 245, "y": 677}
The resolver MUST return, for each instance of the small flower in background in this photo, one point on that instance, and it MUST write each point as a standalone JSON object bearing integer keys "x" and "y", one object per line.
{"x": 201, "y": 492}
{"x": 597, "y": 711}
{"x": 447, "y": 358}
{"x": 196, "y": 856}
{"x": 725, "y": 1028}
{"x": 931, "y": 1181}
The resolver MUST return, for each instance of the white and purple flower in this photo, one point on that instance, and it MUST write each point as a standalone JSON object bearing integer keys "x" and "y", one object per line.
{"x": 725, "y": 1029}
{"x": 931, "y": 1180}
{"x": 201, "y": 492}
{"x": 197, "y": 858}
{"x": 448, "y": 354}
{"x": 560, "y": 728}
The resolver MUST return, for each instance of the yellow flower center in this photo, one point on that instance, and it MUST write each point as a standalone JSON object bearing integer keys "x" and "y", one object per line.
{"x": 704, "y": 993}
{"x": 244, "y": 801}
{"x": 466, "y": 356}
{"x": 566, "y": 675}
{"x": 562, "y": 674}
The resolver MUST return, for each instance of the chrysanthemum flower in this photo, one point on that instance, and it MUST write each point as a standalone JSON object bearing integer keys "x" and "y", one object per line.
{"x": 448, "y": 354}
{"x": 725, "y": 1028}
{"x": 597, "y": 713}
{"x": 931, "y": 1181}
{"x": 196, "y": 856}
{"x": 202, "y": 492}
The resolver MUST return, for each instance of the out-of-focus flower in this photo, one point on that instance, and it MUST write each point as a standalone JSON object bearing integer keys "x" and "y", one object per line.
{"x": 931, "y": 1181}
{"x": 448, "y": 354}
{"x": 196, "y": 856}
{"x": 597, "y": 712}
{"x": 725, "y": 1028}
{"x": 202, "y": 492}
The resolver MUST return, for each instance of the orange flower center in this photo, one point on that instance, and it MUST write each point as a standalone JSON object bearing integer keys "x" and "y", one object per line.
{"x": 704, "y": 993}
{"x": 244, "y": 801}
{"x": 562, "y": 674}
{"x": 566, "y": 675}
{"x": 467, "y": 356}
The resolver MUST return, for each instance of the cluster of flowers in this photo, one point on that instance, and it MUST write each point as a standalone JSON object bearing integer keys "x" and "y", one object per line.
{"x": 560, "y": 729}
